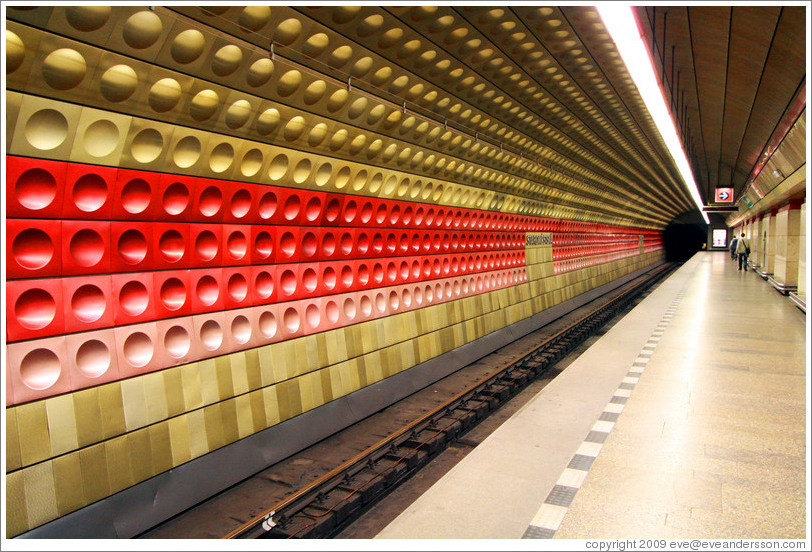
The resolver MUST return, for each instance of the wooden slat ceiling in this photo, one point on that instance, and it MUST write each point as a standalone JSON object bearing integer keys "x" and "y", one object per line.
{"x": 731, "y": 74}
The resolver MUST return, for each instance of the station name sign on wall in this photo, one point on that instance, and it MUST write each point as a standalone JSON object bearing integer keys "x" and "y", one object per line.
{"x": 532, "y": 239}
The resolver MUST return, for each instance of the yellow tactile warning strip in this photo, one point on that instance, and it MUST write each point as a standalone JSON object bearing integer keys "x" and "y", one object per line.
{"x": 551, "y": 513}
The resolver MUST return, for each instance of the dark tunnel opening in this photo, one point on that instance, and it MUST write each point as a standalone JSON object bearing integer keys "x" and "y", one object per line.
{"x": 683, "y": 240}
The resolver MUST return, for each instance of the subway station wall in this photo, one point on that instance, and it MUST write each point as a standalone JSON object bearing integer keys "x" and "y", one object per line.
{"x": 202, "y": 243}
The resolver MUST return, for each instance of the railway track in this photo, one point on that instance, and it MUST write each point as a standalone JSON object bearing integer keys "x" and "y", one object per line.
{"x": 320, "y": 499}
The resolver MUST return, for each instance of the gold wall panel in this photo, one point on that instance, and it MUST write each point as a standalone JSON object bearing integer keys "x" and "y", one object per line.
{"x": 177, "y": 102}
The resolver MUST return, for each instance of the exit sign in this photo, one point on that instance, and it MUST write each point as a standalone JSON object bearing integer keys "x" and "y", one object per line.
{"x": 724, "y": 195}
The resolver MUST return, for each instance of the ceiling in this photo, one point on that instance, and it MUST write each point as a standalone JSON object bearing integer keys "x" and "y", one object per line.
{"x": 735, "y": 81}
{"x": 542, "y": 88}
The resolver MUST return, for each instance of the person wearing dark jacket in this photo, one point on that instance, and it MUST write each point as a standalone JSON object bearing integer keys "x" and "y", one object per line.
{"x": 733, "y": 248}
{"x": 742, "y": 250}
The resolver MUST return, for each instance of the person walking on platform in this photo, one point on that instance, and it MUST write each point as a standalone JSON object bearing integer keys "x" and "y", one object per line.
{"x": 742, "y": 250}
{"x": 733, "y": 248}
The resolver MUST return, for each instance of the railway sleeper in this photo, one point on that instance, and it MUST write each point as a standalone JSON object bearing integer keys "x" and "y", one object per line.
{"x": 301, "y": 526}
{"x": 367, "y": 483}
{"x": 478, "y": 407}
{"x": 341, "y": 503}
{"x": 411, "y": 456}
{"x": 428, "y": 440}
{"x": 391, "y": 470}
{"x": 466, "y": 416}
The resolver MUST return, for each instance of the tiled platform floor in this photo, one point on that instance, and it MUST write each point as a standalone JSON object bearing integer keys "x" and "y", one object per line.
{"x": 686, "y": 420}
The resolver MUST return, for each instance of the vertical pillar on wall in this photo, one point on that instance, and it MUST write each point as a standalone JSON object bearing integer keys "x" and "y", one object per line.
{"x": 785, "y": 267}
{"x": 799, "y": 296}
{"x": 768, "y": 234}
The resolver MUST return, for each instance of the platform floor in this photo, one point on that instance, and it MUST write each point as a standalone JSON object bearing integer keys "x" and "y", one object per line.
{"x": 686, "y": 420}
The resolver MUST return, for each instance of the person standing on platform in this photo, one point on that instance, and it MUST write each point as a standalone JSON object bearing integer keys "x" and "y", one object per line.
{"x": 743, "y": 250}
{"x": 733, "y": 248}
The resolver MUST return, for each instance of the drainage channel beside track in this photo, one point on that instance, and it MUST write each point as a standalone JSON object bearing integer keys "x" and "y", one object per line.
{"x": 329, "y": 504}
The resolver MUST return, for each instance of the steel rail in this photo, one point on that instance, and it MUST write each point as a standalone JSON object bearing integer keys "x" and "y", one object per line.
{"x": 284, "y": 510}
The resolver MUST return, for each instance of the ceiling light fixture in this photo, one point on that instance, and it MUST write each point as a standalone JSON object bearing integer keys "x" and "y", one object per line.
{"x": 619, "y": 20}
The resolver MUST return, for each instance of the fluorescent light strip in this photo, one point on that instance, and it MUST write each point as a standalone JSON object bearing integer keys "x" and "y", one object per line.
{"x": 620, "y": 22}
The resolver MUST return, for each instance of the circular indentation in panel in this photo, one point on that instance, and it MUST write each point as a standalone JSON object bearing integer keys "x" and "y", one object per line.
{"x": 337, "y": 100}
{"x": 207, "y": 290}
{"x": 164, "y": 95}
{"x": 313, "y": 209}
{"x": 267, "y": 324}
{"x": 173, "y": 294}
{"x": 357, "y": 107}
{"x": 147, "y": 145}
{"x": 251, "y": 162}
{"x": 237, "y": 245}
{"x": 292, "y": 208}
{"x": 317, "y": 135}
{"x": 309, "y": 244}
{"x": 32, "y": 248}
{"x": 329, "y": 278}
{"x": 40, "y": 369}
{"x": 15, "y": 52}
{"x": 101, "y": 138}
{"x": 177, "y": 342}
{"x": 240, "y": 203}
{"x": 292, "y": 320}
{"x": 366, "y": 305}
{"x": 211, "y": 335}
{"x": 340, "y": 56}
{"x": 241, "y": 329}
{"x": 237, "y": 287}
{"x": 221, "y": 157}
{"x": 226, "y": 60}
{"x": 332, "y": 210}
{"x": 46, "y": 129}
{"x": 64, "y": 69}
{"x": 135, "y": 196}
{"x": 347, "y": 276}
{"x": 349, "y": 308}
{"x": 295, "y": 128}
{"x": 312, "y": 316}
{"x": 93, "y": 358}
{"x": 289, "y": 82}
{"x": 369, "y": 26}
{"x": 332, "y": 312}
{"x": 206, "y": 245}
{"x": 302, "y": 171}
{"x": 204, "y": 105}
{"x": 287, "y": 282}
{"x": 287, "y": 31}
{"x": 176, "y": 198}
{"x": 211, "y": 200}
{"x": 314, "y": 92}
{"x": 188, "y": 46}
{"x": 315, "y": 45}
{"x": 142, "y": 29}
{"x": 238, "y": 114}
{"x": 345, "y": 14}
{"x": 88, "y": 303}
{"x": 87, "y": 247}
{"x": 118, "y": 83}
{"x": 260, "y": 72}
{"x": 34, "y": 309}
{"x": 133, "y": 298}
{"x": 35, "y": 189}
{"x": 264, "y": 284}
{"x": 309, "y": 279}
{"x": 132, "y": 246}
{"x": 263, "y": 245}
{"x": 187, "y": 152}
{"x": 89, "y": 192}
{"x": 268, "y": 121}
{"x": 287, "y": 245}
{"x": 279, "y": 167}
{"x": 172, "y": 246}
{"x": 267, "y": 205}
{"x": 253, "y": 18}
